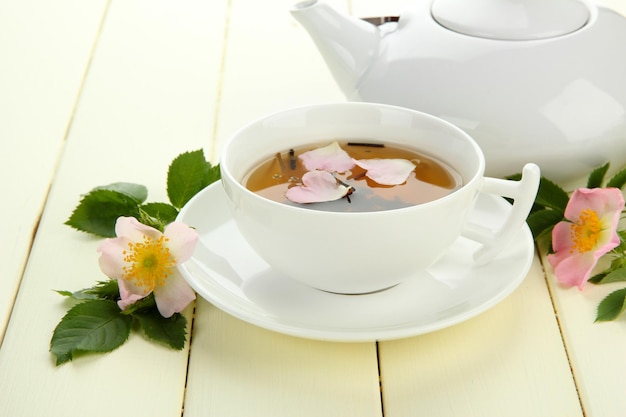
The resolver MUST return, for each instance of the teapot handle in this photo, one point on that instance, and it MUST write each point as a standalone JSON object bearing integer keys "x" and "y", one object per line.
{"x": 523, "y": 192}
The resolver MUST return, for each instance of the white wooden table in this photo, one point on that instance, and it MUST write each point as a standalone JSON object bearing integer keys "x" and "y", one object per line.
{"x": 98, "y": 91}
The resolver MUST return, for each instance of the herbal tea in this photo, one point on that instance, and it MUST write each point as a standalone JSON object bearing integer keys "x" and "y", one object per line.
{"x": 352, "y": 177}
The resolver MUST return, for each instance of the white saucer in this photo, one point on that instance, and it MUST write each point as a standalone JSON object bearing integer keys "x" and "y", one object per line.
{"x": 228, "y": 273}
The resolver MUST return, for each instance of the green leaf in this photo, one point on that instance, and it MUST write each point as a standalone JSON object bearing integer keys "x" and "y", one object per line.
{"x": 143, "y": 304}
{"x": 91, "y": 326}
{"x": 620, "y": 249}
{"x": 597, "y": 278}
{"x": 618, "y": 180}
{"x": 170, "y": 331}
{"x": 137, "y": 192}
{"x": 596, "y": 178}
{"x": 541, "y": 222}
{"x": 616, "y": 264}
{"x": 616, "y": 275}
{"x": 551, "y": 195}
{"x": 158, "y": 215}
{"x": 77, "y": 295}
{"x": 213, "y": 174}
{"x": 106, "y": 290}
{"x": 98, "y": 211}
{"x": 612, "y": 306}
{"x": 187, "y": 175}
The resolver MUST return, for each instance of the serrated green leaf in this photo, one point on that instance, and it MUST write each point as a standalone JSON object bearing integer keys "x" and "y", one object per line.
{"x": 169, "y": 331}
{"x": 91, "y": 326}
{"x": 107, "y": 290}
{"x": 104, "y": 290}
{"x": 596, "y": 178}
{"x": 597, "y": 278}
{"x": 137, "y": 192}
{"x": 98, "y": 211}
{"x": 615, "y": 275}
{"x": 541, "y": 222}
{"x": 143, "y": 304}
{"x": 612, "y": 306}
{"x": 618, "y": 180}
{"x": 616, "y": 264}
{"x": 537, "y": 207}
{"x": 189, "y": 173}
{"x": 551, "y": 195}
{"x": 621, "y": 247}
{"x": 213, "y": 174}
{"x": 77, "y": 295}
{"x": 158, "y": 215}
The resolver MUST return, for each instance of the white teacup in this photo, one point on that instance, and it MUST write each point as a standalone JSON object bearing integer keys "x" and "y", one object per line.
{"x": 363, "y": 252}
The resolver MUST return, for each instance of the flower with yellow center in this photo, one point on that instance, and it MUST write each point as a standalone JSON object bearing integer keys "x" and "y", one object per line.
{"x": 143, "y": 260}
{"x": 586, "y": 231}
{"x": 148, "y": 263}
{"x": 589, "y": 232}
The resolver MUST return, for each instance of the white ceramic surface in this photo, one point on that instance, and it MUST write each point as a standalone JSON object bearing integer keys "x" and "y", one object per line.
{"x": 511, "y": 20}
{"x": 227, "y": 272}
{"x": 361, "y": 252}
{"x": 558, "y": 101}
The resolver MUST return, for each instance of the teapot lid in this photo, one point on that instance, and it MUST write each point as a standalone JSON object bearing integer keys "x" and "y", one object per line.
{"x": 511, "y": 19}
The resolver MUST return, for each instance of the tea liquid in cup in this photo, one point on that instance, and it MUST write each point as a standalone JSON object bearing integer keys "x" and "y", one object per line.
{"x": 429, "y": 180}
{"x": 357, "y": 252}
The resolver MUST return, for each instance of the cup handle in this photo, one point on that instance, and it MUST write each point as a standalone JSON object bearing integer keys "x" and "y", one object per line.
{"x": 523, "y": 192}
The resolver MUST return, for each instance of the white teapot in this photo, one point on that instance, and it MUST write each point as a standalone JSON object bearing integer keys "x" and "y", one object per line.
{"x": 539, "y": 81}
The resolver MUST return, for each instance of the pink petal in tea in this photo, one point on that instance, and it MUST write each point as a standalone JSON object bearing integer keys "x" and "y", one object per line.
{"x": 317, "y": 187}
{"x": 386, "y": 171}
{"x": 330, "y": 158}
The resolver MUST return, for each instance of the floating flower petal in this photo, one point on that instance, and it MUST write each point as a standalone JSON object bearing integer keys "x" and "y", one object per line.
{"x": 143, "y": 260}
{"x": 590, "y": 232}
{"x": 330, "y": 158}
{"x": 317, "y": 187}
{"x": 387, "y": 171}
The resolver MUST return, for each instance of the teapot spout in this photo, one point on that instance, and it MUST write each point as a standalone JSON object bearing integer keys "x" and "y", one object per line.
{"x": 346, "y": 43}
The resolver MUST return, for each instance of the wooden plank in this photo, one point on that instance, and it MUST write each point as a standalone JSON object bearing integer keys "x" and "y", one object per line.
{"x": 149, "y": 95}
{"x": 237, "y": 369}
{"x": 44, "y": 52}
{"x": 509, "y": 361}
{"x": 595, "y": 349}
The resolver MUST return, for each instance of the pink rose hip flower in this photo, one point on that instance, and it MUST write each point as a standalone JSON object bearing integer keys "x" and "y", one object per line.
{"x": 590, "y": 232}
{"x": 143, "y": 260}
